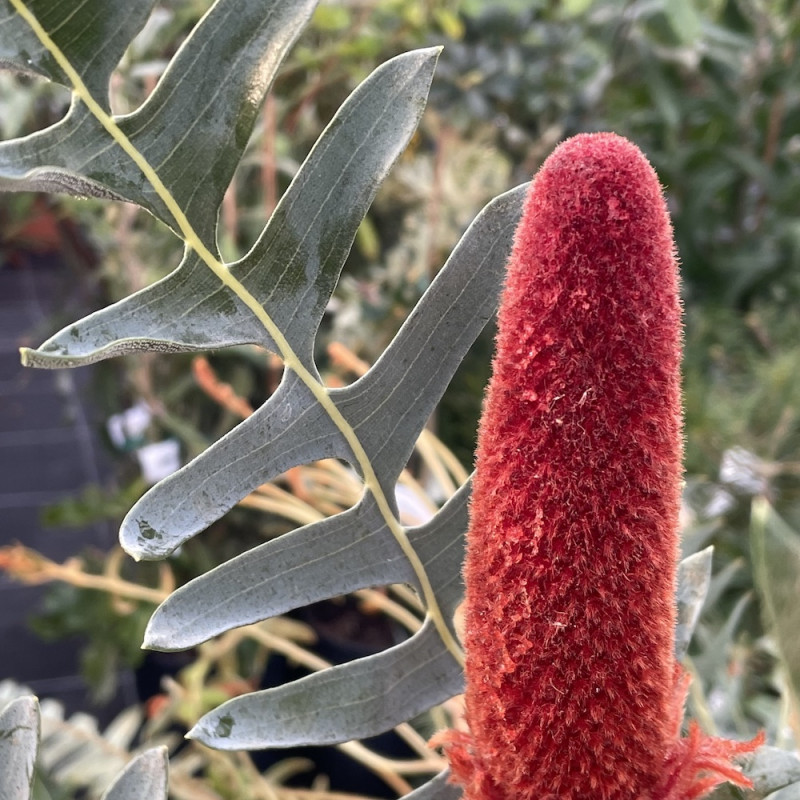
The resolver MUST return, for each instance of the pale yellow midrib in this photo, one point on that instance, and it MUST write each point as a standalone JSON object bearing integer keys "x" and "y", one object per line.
{"x": 288, "y": 355}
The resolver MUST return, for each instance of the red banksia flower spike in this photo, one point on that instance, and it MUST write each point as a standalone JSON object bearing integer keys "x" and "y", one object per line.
{"x": 571, "y": 689}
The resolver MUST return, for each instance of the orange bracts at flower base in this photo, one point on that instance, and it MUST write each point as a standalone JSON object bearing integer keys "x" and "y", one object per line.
{"x": 572, "y": 688}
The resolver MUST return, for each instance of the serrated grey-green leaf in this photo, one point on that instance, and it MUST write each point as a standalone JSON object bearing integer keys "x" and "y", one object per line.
{"x": 350, "y": 701}
{"x": 184, "y": 129}
{"x": 294, "y": 266}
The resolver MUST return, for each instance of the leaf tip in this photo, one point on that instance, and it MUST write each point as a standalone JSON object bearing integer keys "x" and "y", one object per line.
{"x": 25, "y": 356}
{"x": 214, "y": 729}
{"x": 197, "y": 733}
{"x": 430, "y": 56}
{"x": 707, "y": 553}
{"x": 155, "y": 638}
{"x": 50, "y": 355}
{"x": 140, "y": 540}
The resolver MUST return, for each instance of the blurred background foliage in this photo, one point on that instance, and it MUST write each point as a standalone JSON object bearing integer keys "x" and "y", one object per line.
{"x": 709, "y": 89}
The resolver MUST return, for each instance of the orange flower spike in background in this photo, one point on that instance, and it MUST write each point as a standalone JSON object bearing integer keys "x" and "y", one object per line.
{"x": 572, "y": 690}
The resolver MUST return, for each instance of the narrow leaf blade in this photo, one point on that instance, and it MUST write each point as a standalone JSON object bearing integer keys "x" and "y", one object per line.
{"x": 771, "y": 768}
{"x": 293, "y": 268}
{"x": 19, "y": 740}
{"x": 154, "y": 319}
{"x": 290, "y": 428}
{"x": 776, "y": 561}
{"x": 351, "y": 701}
{"x": 195, "y": 125}
{"x": 436, "y": 789}
{"x": 350, "y": 551}
{"x": 694, "y": 578}
{"x": 145, "y": 778}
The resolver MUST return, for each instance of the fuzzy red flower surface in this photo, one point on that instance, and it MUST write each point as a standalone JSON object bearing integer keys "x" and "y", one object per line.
{"x": 572, "y": 551}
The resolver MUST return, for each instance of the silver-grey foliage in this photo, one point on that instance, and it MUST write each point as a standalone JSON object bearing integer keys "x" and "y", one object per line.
{"x": 436, "y": 789}
{"x": 19, "y": 737}
{"x": 694, "y": 577}
{"x": 143, "y": 778}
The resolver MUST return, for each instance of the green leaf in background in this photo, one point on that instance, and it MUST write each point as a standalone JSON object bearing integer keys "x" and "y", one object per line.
{"x": 776, "y": 562}
{"x": 331, "y": 18}
{"x": 145, "y": 778}
{"x": 19, "y": 739}
{"x": 574, "y": 8}
{"x": 684, "y": 19}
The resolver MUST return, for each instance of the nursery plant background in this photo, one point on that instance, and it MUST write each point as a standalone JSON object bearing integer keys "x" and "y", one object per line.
{"x": 711, "y": 93}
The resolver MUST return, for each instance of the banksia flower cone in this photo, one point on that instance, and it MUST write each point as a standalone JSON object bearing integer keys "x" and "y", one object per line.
{"x": 573, "y": 691}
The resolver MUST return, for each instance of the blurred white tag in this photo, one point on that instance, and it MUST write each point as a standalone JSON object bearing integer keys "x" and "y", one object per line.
{"x": 127, "y": 429}
{"x": 159, "y": 460}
